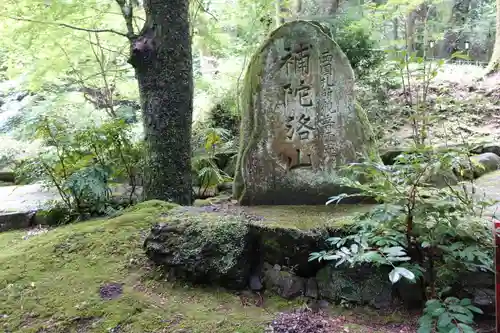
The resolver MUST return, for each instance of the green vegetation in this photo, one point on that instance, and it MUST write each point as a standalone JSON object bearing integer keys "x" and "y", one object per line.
{"x": 70, "y": 117}
{"x": 427, "y": 235}
{"x": 52, "y": 281}
{"x": 309, "y": 217}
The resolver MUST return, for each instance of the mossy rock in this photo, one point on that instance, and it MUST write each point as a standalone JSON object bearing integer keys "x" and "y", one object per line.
{"x": 202, "y": 247}
{"x": 290, "y": 247}
{"x": 361, "y": 285}
{"x": 204, "y": 244}
{"x": 280, "y": 161}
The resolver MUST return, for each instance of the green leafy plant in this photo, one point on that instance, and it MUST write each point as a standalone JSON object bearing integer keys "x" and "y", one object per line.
{"x": 355, "y": 250}
{"x": 208, "y": 145}
{"x": 427, "y": 234}
{"x": 449, "y": 316}
{"x": 81, "y": 163}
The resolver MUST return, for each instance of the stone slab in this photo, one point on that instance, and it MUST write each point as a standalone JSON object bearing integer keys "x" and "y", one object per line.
{"x": 300, "y": 120}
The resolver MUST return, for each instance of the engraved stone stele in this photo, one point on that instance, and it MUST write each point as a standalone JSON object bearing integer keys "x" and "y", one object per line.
{"x": 300, "y": 121}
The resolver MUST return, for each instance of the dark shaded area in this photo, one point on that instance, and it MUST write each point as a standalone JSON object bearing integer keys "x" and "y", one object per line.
{"x": 111, "y": 290}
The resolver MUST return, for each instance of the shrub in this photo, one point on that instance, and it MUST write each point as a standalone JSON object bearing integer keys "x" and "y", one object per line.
{"x": 209, "y": 146}
{"x": 418, "y": 229}
{"x": 358, "y": 45}
{"x": 81, "y": 163}
{"x": 225, "y": 115}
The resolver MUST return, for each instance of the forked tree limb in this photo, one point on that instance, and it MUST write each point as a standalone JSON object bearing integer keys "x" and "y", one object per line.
{"x": 65, "y": 25}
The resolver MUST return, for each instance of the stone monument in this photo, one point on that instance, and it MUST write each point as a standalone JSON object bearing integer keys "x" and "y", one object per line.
{"x": 299, "y": 119}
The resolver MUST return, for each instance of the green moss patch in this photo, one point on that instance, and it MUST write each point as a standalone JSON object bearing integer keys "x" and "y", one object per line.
{"x": 202, "y": 247}
{"x": 308, "y": 217}
{"x": 50, "y": 283}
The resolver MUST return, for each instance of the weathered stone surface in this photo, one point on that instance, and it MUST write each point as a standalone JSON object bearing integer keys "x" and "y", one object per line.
{"x": 477, "y": 165}
{"x": 7, "y": 176}
{"x": 12, "y": 221}
{"x": 487, "y": 187}
{"x": 300, "y": 120}
{"x": 289, "y": 247}
{"x": 283, "y": 283}
{"x": 205, "y": 245}
{"x": 25, "y": 205}
{"x": 312, "y": 288}
{"x": 487, "y": 148}
{"x": 363, "y": 285}
{"x": 480, "y": 288}
{"x": 487, "y": 162}
{"x": 202, "y": 248}
{"x": 388, "y": 155}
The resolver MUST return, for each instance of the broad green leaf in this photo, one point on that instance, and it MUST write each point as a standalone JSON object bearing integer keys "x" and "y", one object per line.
{"x": 394, "y": 276}
{"x": 444, "y": 320}
{"x": 331, "y": 257}
{"x": 475, "y": 309}
{"x": 466, "y": 328}
{"x": 463, "y": 318}
{"x": 438, "y": 312}
{"x": 404, "y": 273}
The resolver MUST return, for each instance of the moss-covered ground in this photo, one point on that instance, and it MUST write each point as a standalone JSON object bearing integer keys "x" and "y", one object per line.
{"x": 309, "y": 217}
{"x": 50, "y": 282}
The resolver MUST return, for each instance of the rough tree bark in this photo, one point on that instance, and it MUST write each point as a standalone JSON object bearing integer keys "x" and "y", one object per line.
{"x": 161, "y": 57}
{"x": 494, "y": 64}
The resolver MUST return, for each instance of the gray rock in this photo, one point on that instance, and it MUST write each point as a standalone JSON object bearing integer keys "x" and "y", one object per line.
{"x": 202, "y": 248}
{"x": 484, "y": 297}
{"x": 283, "y": 283}
{"x": 311, "y": 288}
{"x": 442, "y": 178}
{"x": 389, "y": 155}
{"x": 364, "y": 285}
{"x": 7, "y": 176}
{"x": 15, "y": 220}
{"x": 255, "y": 283}
{"x": 480, "y": 288}
{"x": 487, "y": 148}
{"x": 409, "y": 293}
{"x": 300, "y": 120}
{"x": 488, "y": 162}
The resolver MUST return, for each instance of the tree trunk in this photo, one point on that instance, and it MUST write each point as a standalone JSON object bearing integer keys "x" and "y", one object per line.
{"x": 493, "y": 66}
{"x": 161, "y": 57}
{"x": 410, "y": 31}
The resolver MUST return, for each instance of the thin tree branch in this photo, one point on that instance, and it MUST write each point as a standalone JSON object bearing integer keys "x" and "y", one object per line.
{"x": 120, "y": 52}
{"x": 128, "y": 15}
{"x": 120, "y": 14}
{"x": 66, "y": 25}
{"x": 203, "y": 9}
